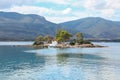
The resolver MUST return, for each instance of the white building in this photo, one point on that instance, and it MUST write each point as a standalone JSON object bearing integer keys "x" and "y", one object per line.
{"x": 54, "y": 43}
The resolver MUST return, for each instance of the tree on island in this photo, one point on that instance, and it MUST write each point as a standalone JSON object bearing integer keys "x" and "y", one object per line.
{"x": 79, "y": 38}
{"x": 63, "y": 36}
{"x": 48, "y": 39}
{"x": 39, "y": 40}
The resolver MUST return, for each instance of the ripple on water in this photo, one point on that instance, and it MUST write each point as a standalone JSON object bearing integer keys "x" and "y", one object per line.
{"x": 62, "y": 64}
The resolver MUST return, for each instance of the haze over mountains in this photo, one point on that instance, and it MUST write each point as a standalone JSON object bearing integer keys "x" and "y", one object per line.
{"x": 15, "y": 26}
{"x": 94, "y": 27}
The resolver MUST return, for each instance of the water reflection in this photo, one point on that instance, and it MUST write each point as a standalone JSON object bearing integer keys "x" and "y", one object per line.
{"x": 65, "y": 54}
{"x": 19, "y": 63}
{"x": 71, "y": 64}
{"x": 82, "y": 58}
{"x": 13, "y": 58}
{"x": 80, "y": 55}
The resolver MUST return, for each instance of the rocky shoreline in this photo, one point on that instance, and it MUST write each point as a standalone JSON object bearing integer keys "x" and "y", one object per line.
{"x": 61, "y": 46}
{"x": 79, "y": 46}
{"x": 70, "y": 46}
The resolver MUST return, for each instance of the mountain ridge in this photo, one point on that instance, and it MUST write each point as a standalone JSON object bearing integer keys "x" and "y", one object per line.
{"x": 94, "y": 26}
{"x": 16, "y": 26}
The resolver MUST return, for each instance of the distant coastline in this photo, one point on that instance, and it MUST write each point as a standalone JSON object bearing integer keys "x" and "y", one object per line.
{"x": 92, "y": 40}
{"x": 59, "y": 46}
{"x": 70, "y": 46}
{"x": 30, "y": 44}
{"x": 104, "y": 40}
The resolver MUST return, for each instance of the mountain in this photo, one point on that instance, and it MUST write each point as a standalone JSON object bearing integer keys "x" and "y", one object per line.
{"x": 15, "y": 26}
{"x": 94, "y": 27}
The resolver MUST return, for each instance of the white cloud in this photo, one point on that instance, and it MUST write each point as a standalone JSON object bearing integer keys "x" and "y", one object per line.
{"x": 102, "y": 4}
{"x": 27, "y": 9}
{"x": 94, "y": 4}
{"x": 66, "y": 11}
{"x": 9, "y": 3}
{"x": 57, "y": 15}
{"x": 33, "y": 10}
{"x": 114, "y": 4}
{"x": 53, "y": 1}
{"x": 99, "y": 8}
{"x": 108, "y": 12}
{"x": 61, "y": 19}
{"x": 105, "y": 8}
{"x": 40, "y": 11}
{"x": 89, "y": 4}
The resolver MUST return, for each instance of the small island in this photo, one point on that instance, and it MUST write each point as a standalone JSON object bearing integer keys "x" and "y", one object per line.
{"x": 63, "y": 39}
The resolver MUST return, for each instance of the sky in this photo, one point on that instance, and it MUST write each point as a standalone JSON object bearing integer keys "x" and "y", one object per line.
{"x": 58, "y": 11}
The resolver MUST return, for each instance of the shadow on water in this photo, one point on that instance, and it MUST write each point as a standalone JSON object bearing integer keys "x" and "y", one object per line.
{"x": 79, "y": 58}
{"x": 64, "y": 64}
{"x": 81, "y": 55}
{"x": 65, "y": 55}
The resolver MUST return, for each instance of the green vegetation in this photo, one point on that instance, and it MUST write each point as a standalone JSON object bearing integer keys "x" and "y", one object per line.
{"x": 80, "y": 39}
{"x": 72, "y": 42}
{"x": 39, "y": 40}
{"x": 48, "y": 39}
{"x": 86, "y": 42}
{"x": 63, "y": 36}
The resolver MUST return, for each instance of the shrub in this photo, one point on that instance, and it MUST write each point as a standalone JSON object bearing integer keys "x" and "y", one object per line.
{"x": 86, "y": 42}
{"x": 39, "y": 40}
{"x": 38, "y": 43}
{"x": 72, "y": 42}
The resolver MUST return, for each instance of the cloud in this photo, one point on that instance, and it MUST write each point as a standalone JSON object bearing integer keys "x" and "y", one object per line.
{"x": 94, "y": 4}
{"x": 57, "y": 15}
{"x": 108, "y": 12}
{"x": 105, "y": 8}
{"x": 102, "y": 4}
{"x": 28, "y": 9}
{"x": 53, "y": 1}
{"x": 66, "y": 11}
{"x": 10, "y": 3}
{"x": 114, "y": 4}
{"x": 61, "y": 19}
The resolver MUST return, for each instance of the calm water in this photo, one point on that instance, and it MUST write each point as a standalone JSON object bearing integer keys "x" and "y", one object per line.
{"x": 22, "y": 63}
{"x": 7, "y": 43}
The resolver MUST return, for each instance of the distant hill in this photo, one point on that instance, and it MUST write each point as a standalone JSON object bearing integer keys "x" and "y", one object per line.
{"x": 15, "y": 26}
{"x": 94, "y": 27}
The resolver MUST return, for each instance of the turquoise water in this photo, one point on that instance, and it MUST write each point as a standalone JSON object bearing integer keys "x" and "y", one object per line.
{"x": 22, "y": 63}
